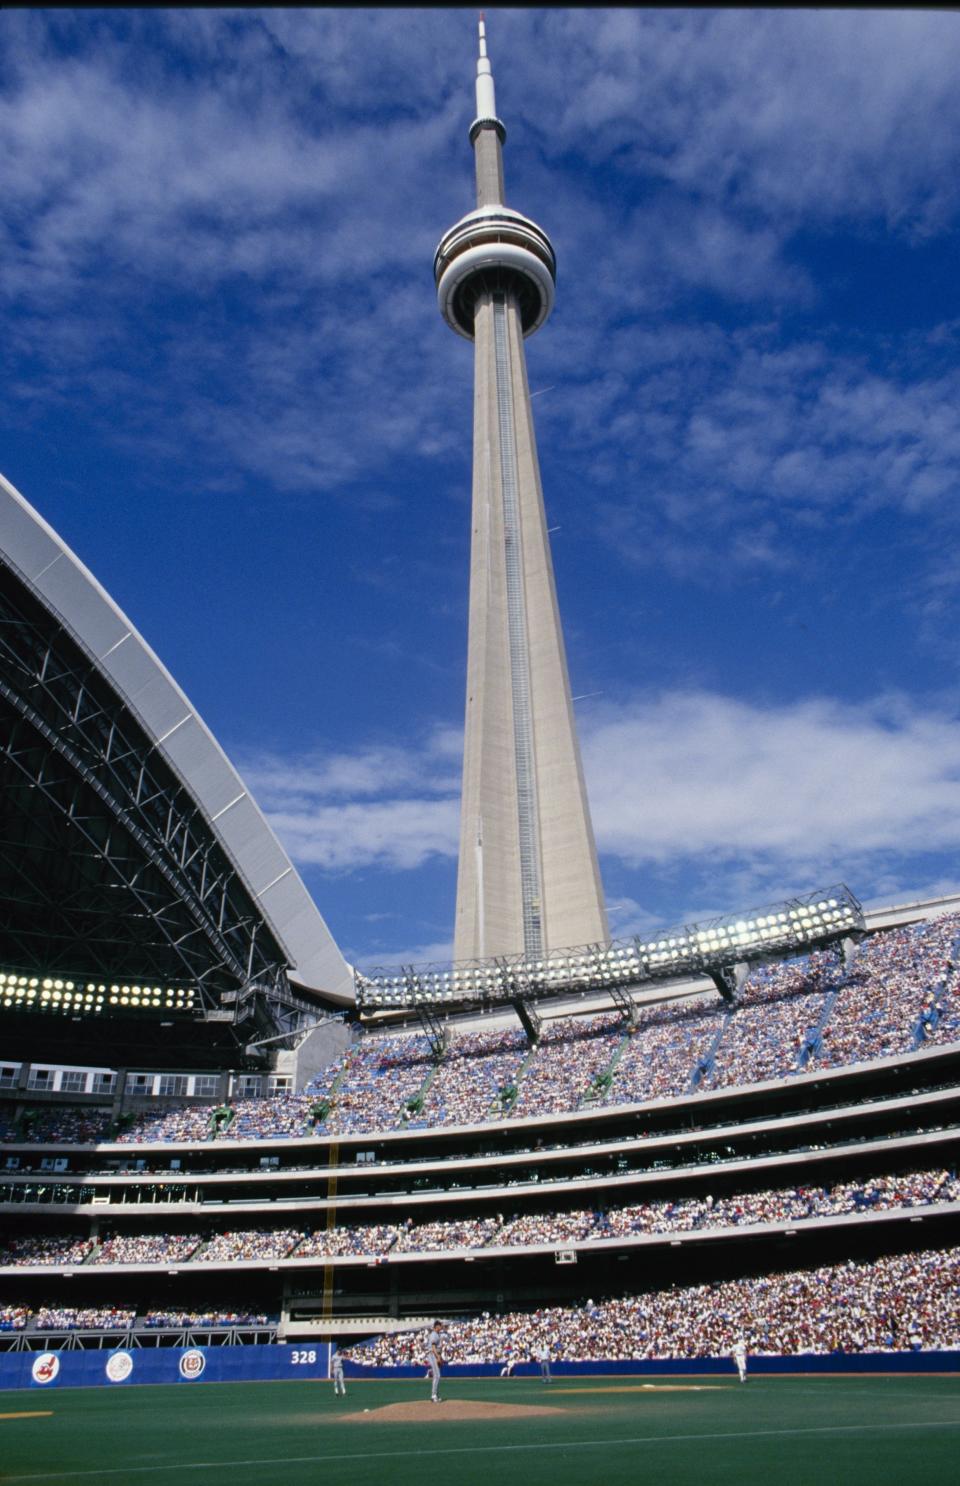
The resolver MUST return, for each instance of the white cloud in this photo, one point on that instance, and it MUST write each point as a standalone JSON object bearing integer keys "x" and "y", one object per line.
{"x": 737, "y": 448}
{"x": 371, "y": 771}
{"x": 437, "y": 951}
{"x": 381, "y": 807}
{"x": 397, "y": 835}
{"x": 207, "y": 170}
{"x": 833, "y": 114}
{"x": 728, "y": 799}
{"x": 692, "y": 776}
{"x": 195, "y": 187}
{"x": 249, "y": 152}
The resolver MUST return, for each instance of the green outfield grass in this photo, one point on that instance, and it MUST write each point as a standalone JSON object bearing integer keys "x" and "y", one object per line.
{"x": 798, "y": 1431}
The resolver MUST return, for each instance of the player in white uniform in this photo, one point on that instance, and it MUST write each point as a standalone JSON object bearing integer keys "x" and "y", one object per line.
{"x": 739, "y": 1355}
{"x": 336, "y": 1372}
{"x": 543, "y": 1355}
{"x": 433, "y": 1362}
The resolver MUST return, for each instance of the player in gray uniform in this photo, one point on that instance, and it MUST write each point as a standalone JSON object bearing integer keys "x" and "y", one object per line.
{"x": 739, "y": 1355}
{"x": 543, "y": 1356}
{"x": 336, "y": 1372}
{"x": 433, "y": 1362}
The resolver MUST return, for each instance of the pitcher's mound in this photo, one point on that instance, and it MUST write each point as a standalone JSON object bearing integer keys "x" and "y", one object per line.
{"x": 423, "y": 1411}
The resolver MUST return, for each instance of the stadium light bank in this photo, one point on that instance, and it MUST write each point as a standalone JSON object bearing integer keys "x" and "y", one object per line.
{"x": 721, "y": 949}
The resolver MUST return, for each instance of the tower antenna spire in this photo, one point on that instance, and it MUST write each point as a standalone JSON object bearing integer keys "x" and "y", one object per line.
{"x": 486, "y": 122}
{"x": 486, "y": 99}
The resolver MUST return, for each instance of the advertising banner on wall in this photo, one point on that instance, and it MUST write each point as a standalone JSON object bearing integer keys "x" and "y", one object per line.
{"x": 187, "y": 1365}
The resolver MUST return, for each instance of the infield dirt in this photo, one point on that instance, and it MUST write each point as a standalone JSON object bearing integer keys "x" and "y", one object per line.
{"x": 423, "y": 1411}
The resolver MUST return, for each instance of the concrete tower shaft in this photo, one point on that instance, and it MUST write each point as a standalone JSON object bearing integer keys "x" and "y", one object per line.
{"x": 528, "y": 878}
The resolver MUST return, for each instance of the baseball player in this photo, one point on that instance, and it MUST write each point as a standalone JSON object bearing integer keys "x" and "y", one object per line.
{"x": 336, "y": 1372}
{"x": 433, "y": 1362}
{"x": 739, "y": 1355}
{"x": 543, "y": 1356}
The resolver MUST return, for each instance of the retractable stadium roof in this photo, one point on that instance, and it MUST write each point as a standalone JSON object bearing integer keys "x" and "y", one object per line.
{"x": 129, "y": 845}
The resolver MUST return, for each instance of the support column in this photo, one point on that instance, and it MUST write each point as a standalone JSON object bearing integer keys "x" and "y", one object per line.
{"x": 528, "y": 878}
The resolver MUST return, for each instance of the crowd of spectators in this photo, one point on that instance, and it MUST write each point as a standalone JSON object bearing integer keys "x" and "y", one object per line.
{"x": 781, "y": 1205}
{"x": 115, "y": 1318}
{"x": 60, "y": 1250}
{"x": 900, "y": 990}
{"x": 780, "y": 1007}
{"x": 65, "y": 1318}
{"x": 789, "y": 1204}
{"x": 169, "y": 1320}
{"x": 894, "y": 978}
{"x": 940, "y": 1017}
{"x": 82, "y": 1318}
{"x": 56, "y": 1123}
{"x": 901, "y": 1303}
{"x": 538, "y": 1228}
{"x": 375, "y": 1081}
{"x": 668, "y": 1044}
{"x": 146, "y": 1248}
{"x": 475, "y": 1080}
{"x": 173, "y": 1122}
{"x": 251, "y": 1119}
{"x": 341, "y": 1242}
{"x": 571, "y": 1053}
{"x": 268, "y": 1119}
{"x": 445, "y": 1234}
{"x": 250, "y": 1243}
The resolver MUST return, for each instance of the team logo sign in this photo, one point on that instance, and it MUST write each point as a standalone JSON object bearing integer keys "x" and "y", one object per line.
{"x": 192, "y": 1364}
{"x": 45, "y": 1367}
{"x": 119, "y": 1367}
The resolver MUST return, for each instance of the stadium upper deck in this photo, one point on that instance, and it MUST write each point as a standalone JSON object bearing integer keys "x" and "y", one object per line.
{"x": 898, "y": 996}
{"x": 822, "y": 1112}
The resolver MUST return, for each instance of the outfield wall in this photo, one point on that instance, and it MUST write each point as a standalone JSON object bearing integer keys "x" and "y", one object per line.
{"x": 47, "y": 1371}
{"x": 121, "y": 1367}
{"x": 834, "y": 1362}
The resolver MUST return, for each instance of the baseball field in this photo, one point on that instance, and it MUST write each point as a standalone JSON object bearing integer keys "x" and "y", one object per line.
{"x": 796, "y": 1431}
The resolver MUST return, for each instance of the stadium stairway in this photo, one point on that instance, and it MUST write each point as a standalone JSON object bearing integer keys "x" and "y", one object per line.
{"x": 311, "y": 1126}
{"x": 704, "y": 1066}
{"x": 948, "y": 1023}
{"x": 498, "y": 1106}
{"x": 925, "y": 1025}
{"x": 813, "y": 1039}
{"x": 412, "y": 1107}
{"x": 598, "y": 1091}
{"x": 929, "y": 1018}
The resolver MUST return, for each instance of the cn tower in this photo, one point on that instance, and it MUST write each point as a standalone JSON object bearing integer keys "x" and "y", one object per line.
{"x": 528, "y": 879}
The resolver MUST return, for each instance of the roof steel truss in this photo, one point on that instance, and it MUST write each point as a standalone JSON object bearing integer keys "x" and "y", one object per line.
{"x": 87, "y": 788}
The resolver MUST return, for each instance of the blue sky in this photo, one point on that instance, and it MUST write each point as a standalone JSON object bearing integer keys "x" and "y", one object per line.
{"x": 227, "y": 385}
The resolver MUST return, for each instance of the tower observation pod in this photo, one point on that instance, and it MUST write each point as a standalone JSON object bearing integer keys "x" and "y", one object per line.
{"x": 528, "y": 879}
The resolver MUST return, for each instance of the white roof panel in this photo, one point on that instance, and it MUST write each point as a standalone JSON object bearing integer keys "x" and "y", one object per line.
{"x": 195, "y": 756}
{"x": 66, "y": 590}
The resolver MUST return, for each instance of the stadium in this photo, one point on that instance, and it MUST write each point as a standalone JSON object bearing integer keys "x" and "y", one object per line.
{"x": 228, "y": 1157}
